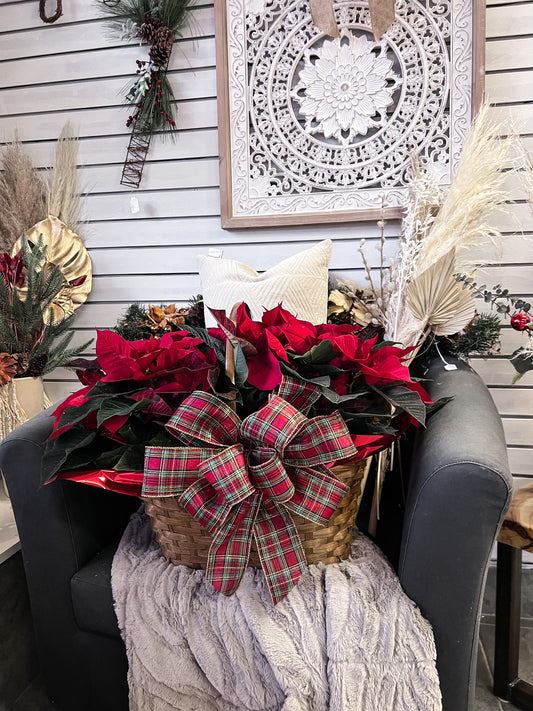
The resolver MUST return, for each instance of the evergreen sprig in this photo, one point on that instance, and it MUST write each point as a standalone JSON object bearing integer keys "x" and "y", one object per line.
{"x": 27, "y": 327}
{"x": 151, "y": 93}
{"x": 172, "y": 13}
{"x": 479, "y": 338}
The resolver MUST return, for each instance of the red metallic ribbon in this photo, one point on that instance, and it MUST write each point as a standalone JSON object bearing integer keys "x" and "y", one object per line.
{"x": 243, "y": 479}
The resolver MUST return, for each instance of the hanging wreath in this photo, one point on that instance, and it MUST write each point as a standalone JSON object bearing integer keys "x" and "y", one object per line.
{"x": 50, "y": 18}
{"x": 151, "y": 94}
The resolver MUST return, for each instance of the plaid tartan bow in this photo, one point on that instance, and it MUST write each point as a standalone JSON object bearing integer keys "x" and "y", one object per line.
{"x": 250, "y": 477}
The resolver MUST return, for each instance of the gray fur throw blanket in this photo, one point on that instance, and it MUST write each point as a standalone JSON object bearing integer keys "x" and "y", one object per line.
{"x": 346, "y": 638}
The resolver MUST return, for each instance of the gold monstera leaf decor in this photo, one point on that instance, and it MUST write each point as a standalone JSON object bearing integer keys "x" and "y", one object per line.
{"x": 66, "y": 250}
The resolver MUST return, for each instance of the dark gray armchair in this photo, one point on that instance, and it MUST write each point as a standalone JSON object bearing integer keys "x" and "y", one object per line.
{"x": 458, "y": 491}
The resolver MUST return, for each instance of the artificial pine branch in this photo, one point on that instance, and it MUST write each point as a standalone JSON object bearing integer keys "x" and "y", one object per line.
{"x": 27, "y": 327}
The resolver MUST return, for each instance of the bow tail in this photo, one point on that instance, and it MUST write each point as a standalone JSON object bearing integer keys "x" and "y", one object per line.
{"x": 230, "y": 549}
{"x": 280, "y": 549}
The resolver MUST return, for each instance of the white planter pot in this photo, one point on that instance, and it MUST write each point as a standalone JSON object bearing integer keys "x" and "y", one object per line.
{"x": 30, "y": 394}
{"x": 22, "y": 398}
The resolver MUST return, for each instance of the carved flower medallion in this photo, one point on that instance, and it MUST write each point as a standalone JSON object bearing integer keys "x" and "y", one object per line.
{"x": 345, "y": 87}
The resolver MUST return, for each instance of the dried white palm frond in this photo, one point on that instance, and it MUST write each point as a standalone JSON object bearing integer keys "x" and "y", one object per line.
{"x": 437, "y": 301}
{"x": 477, "y": 189}
{"x": 64, "y": 201}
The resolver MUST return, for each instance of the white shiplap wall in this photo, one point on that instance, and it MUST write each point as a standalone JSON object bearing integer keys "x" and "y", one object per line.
{"x": 71, "y": 71}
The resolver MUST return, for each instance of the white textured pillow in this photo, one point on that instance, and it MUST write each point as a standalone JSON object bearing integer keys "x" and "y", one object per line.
{"x": 299, "y": 283}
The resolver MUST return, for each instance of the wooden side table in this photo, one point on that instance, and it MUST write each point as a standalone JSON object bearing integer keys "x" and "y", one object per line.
{"x": 516, "y": 535}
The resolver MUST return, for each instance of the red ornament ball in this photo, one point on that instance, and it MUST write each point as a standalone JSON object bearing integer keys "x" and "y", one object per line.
{"x": 519, "y": 321}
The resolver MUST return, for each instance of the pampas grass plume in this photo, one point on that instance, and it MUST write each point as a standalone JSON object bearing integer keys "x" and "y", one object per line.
{"x": 64, "y": 198}
{"x": 23, "y": 195}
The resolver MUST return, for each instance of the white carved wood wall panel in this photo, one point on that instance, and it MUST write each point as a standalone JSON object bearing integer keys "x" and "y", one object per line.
{"x": 69, "y": 70}
{"x": 317, "y": 128}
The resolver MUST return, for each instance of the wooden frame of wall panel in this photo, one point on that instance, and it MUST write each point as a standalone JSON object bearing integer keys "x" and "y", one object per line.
{"x": 231, "y": 221}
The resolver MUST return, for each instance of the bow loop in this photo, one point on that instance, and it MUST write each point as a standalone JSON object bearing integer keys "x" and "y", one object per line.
{"x": 321, "y": 440}
{"x": 204, "y": 419}
{"x": 274, "y": 425}
{"x": 301, "y": 394}
{"x": 269, "y": 475}
{"x": 222, "y": 484}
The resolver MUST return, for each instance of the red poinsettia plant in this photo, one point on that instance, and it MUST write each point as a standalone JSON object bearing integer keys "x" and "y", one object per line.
{"x": 132, "y": 389}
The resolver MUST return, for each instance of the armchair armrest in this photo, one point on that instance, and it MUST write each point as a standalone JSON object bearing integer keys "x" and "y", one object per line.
{"x": 459, "y": 491}
{"x": 61, "y": 525}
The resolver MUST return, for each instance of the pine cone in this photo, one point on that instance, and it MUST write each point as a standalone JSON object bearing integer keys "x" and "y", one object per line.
{"x": 7, "y": 368}
{"x": 195, "y": 315}
{"x": 161, "y": 46}
{"x": 148, "y": 30}
{"x": 36, "y": 366}
{"x": 21, "y": 361}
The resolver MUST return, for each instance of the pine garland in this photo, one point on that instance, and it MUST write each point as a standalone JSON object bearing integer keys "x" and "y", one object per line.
{"x": 157, "y": 24}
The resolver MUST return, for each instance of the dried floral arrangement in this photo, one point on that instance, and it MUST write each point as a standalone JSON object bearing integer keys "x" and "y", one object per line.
{"x": 28, "y": 196}
{"x": 32, "y": 341}
{"x": 30, "y": 335}
{"x": 45, "y": 270}
{"x": 418, "y": 299}
{"x": 151, "y": 94}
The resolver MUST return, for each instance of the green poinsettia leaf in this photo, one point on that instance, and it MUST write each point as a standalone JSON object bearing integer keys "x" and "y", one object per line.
{"x": 122, "y": 387}
{"x": 321, "y": 353}
{"x": 118, "y": 406}
{"x": 136, "y": 430}
{"x": 241, "y": 367}
{"x": 322, "y": 381}
{"x": 108, "y": 459}
{"x": 522, "y": 361}
{"x": 382, "y": 344}
{"x": 407, "y": 400}
{"x": 162, "y": 438}
{"x": 131, "y": 460}
{"x": 373, "y": 413}
{"x": 337, "y": 399}
{"x": 58, "y": 450}
{"x": 76, "y": 413}
{"x": 84, "y": 457}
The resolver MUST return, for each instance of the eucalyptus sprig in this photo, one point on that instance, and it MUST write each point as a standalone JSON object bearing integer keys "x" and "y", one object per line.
{"x": 498, "y": 297}
{"x": 522, "y": 358}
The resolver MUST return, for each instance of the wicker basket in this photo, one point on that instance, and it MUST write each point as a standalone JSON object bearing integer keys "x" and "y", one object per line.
{"x": 184, "y": 542}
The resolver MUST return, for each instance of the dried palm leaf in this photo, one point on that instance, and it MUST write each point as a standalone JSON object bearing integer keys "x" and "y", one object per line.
{"x": 338, "y": 302}
{"x": 66, "y": 250}
{"x": 437, "y": 301}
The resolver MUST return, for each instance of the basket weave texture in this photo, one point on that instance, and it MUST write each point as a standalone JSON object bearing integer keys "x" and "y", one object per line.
{"x": 184, "y": 542}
